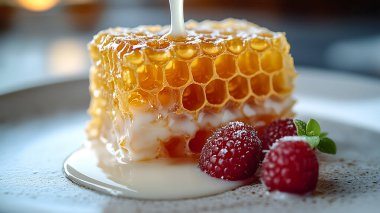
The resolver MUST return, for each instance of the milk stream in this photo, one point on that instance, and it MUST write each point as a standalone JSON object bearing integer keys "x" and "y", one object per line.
{"x": 177, "y": 20}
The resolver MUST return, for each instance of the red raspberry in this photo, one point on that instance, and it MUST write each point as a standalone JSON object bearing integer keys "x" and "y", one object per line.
{"x": 276, "y": 130}
{"x": 233, "y": 152}
{"x": 290, "y": 167}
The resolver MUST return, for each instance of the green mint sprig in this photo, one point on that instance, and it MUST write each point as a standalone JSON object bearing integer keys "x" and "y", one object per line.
{"x": 313, "y": 135}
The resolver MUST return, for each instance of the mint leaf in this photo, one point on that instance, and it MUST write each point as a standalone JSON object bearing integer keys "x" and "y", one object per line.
{"x": 323, "y": 135}
{"x": 326, "y": 145}
{"x": 300, "y": 126}
{"x": 313, "y": 141}
{"x": 311, "y": 133}
{"x": 313, "y": 128}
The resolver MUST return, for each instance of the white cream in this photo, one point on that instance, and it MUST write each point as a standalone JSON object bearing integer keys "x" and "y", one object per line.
{"x": 141, "y": 138}
{"x": 177, "y": 28}
{"x": 95, "y": 168}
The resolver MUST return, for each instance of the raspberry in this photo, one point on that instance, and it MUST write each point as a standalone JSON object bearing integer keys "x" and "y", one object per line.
{"x": 291, "y": 166}
{"x": 276, "y": 130}
{"x": 233, "y": 152}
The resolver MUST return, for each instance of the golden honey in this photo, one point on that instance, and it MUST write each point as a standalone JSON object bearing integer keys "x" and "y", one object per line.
{"x": 231, "y": 67}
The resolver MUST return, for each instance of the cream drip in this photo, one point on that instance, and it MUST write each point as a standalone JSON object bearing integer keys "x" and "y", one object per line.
{"x": 177, "y": 28}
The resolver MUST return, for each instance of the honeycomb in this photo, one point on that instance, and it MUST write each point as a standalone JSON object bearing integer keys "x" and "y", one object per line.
{"x": 218, "y": 65}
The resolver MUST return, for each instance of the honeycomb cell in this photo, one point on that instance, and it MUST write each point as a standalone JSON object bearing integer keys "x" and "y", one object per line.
{"x": 136, "y": 58}
{"x": 168, "y": 98}
{"x": 125, "y": 47}
{"x": 258, "y": 44}
{"x": 137, "y": 98}
{"x": 248, "y": 63}
{"x": 104, "y": 59}
{"x": 212, "y": 47}
{"x": 238, "y": 87}
{"x": 271, "y": 60}
{"x": 281, "y": 44}
{"x": 123, "y": 100}
{"x": 107, "y": 81}
{"x": 149, "y": 76}
{"x": 127, "y": 80}
{"x": 98, "y": 39}
{"x": 278, "y": 42}
{"x": 120, "y": 45}
{"x": 94, "y": 53}
{"x": 282, "y": 83}
{"x": 202, "y": 69}
{"x": 158, "y": 51}
{"x": 216, "y": 92}
{"x": 260, "y": 84}
{"x": 235, "y": 46}
{"x": 266, "y": 35}
{"x": 105, "y": 41}
{"x": 203, "y": 32}
{"x": 140, "y": 34}
{"x": 177, "y": 73}
{"x": 226, "y": 32}
{"x": 193, "y": 97}
{"x": 225, "y": 66}
{"x": 158, "y": 56}
{"x": 187, "y": 51}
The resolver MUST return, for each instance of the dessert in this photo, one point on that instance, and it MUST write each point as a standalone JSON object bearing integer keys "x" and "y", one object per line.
{"x": 178, "y": 88}
{"x": 174, "y": 111}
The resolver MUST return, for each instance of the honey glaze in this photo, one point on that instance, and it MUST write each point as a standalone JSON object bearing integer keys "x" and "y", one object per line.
{"x": 159, "y": 179}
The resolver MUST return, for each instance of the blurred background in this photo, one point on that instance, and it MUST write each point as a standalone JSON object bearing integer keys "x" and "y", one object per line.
{"x": 45, "y": 40}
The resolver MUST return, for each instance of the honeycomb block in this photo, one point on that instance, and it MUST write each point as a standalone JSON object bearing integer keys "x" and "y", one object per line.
{"x": 222, "y": 71}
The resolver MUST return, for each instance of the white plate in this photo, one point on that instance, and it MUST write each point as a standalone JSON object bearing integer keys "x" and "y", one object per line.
{"x": 41, "y": 126}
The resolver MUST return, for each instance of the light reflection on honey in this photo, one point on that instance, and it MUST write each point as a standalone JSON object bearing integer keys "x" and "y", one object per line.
{"x": 37, "y": 5}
